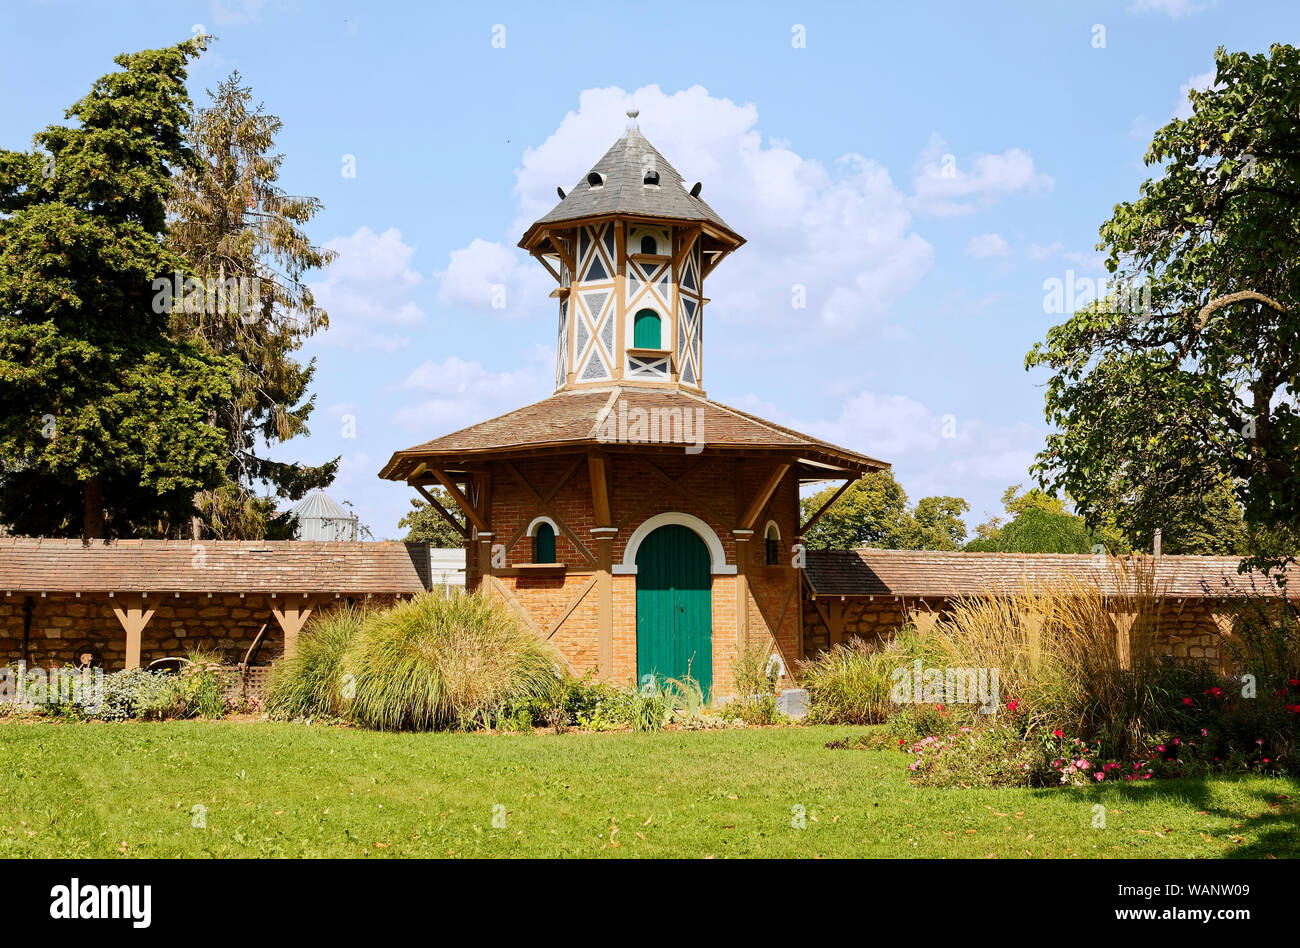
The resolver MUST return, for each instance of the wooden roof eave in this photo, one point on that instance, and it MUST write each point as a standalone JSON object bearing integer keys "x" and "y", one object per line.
{"x": 811, "y": 464}
{"x": 537, "y": 237}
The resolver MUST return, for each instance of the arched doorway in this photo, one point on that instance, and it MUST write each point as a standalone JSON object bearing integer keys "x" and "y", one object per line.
{"x": 674, "y": 607}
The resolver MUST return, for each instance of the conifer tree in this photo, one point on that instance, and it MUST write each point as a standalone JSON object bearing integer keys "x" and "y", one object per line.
{"x": 238, "y": 229}
{"x": 107, "y": 424}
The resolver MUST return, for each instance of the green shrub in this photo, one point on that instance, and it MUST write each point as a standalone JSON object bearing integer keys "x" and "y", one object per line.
{"x": 565, "y": 705}
{"x": 609, "y": 710}
{"x": 851, "y": 683}
{"x": 652, "y": 707}
{"x": 441, "y": 662}
{"x": 311, "y": 683}
{"x": 136, "y": 693}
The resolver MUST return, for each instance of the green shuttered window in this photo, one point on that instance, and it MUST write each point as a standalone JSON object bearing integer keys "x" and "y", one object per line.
{"x": 646, "y": 330}
{"x": 544, "y": 544}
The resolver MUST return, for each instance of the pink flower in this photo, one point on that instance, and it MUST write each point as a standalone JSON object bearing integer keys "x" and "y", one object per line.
{"x": 1100, "y": 776}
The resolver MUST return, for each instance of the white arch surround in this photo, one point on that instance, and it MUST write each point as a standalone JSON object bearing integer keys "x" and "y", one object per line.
{"x": 717, "y": 555}
{"x": 538, "y": 521}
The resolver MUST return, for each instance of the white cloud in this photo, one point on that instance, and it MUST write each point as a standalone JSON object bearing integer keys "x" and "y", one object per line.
{"x": 838, "y": 237}
{"x": 933, "y": 452}
{"x": 988, "y": 245}
{"x": 1170, "y": 8}
{"x": 356, "y": 473}
{"x": 1200, "y": 83}
{"x": 842, "y": 232}
{"x": 491, "y": 276}
{"x": 368, "y": 290}
{"x": 236, "y": 12}
{"x": 946, "y": 186}
{"x": 1087, "y": 259}
{"x": 455, "y": 393}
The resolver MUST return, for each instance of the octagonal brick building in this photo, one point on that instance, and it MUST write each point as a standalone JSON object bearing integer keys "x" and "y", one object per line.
{"x": 642, "y": 528}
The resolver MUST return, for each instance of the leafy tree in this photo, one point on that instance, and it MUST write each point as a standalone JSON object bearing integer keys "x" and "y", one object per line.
{"x": 1178, "y": 396}
{"x": 1040, "y": 523}
{"x": 1205, "y": 524}
{"x": 1016, "y": 502}
{"x": 106, "y": 425}
{"x": 936, "y": 524}
{"x": 1037, "y": 530}
{"x": 425, "y": 525}
{"x": 243, "y": 236}
{"x": 873, "y": 512}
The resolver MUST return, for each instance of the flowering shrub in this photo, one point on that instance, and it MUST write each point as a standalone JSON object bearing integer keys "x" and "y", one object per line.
{"x": 988, "y": 756}
{"x": 201, "y": 689}
{"x": 920, "y": 720}
{"x": 1214, "y": 730}
{"x": 1220, "y": 729}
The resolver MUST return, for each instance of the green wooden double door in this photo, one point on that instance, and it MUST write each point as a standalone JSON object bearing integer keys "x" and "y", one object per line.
{"x": 674, "y": 607}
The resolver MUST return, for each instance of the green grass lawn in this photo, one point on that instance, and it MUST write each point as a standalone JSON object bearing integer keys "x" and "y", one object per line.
{"x": 291, "y": 790}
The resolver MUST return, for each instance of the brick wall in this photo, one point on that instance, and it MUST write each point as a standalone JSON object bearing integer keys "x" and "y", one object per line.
{"x": 714, "y": 489}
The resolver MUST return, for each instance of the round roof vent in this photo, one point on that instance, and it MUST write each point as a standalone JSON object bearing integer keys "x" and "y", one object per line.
{"x": 595, "y": 180}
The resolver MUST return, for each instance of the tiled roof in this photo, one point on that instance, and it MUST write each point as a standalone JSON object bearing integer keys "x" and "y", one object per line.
{"x": 933, "y": 574}
{"x": 282, "y": 566}
{"x": 622, "y": 170}
{"x": 579, "y": 417}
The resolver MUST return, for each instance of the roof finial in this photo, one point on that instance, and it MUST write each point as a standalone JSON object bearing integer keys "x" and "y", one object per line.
{"x": 631, "y": 119}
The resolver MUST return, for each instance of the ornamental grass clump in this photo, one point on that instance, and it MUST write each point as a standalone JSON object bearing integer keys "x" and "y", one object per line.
{"x": 851, "y": 683}
{"x": 1080, "y": 653}
{"x": 437, "y": 662}
{"x": 200, "y": 687}
{"x": 310, "y": 684}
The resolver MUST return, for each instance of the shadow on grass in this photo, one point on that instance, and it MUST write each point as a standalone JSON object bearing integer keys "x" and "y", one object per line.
{"x": 1275, "y": 831}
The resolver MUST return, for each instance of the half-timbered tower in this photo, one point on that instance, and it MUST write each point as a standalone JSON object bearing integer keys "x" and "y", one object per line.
{"x": 638, "y": 525}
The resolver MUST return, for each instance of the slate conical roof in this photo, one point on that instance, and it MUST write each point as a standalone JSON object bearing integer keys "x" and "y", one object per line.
{"x": 622, "y": 190}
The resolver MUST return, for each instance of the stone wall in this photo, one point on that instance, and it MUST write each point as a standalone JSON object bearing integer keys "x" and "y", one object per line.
{"x": 225, "y": 623}
{"x": 1186, "y": 628}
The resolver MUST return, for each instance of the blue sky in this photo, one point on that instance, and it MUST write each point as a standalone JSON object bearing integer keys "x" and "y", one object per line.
{"x": 921, "y": 169}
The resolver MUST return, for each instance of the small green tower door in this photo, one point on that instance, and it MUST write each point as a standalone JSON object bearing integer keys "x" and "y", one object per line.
{"x": 674, "y": 607}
